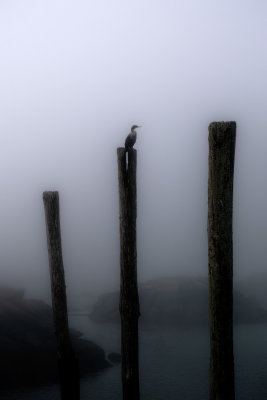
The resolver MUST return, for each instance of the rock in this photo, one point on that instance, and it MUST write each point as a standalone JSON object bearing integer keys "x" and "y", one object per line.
{"x": 115, "y": 358}
{"x": 27, "y": 343}
{"x": 176, "y": 301}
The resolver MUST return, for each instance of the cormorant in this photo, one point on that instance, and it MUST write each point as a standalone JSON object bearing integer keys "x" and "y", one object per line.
{"x": 131, "y": 138}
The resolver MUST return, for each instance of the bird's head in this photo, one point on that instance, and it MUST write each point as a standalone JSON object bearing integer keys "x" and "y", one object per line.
{"x": 134, "y": 127}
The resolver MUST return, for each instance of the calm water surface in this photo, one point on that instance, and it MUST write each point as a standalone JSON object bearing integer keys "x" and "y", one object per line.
{"x": 173, "y": 364}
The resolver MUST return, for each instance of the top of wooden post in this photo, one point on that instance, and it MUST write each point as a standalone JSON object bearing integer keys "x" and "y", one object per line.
{"x": 50, "y": 195}
{"x": 121, "y": 151}
{"x": 222, "y": 124}
{"x": 218, "y": 130}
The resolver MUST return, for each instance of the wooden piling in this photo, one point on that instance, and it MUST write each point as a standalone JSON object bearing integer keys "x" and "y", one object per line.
{"x": 129, "y": 300}
{"x": 67, "y": 362}
{"x": 220, "y": 250}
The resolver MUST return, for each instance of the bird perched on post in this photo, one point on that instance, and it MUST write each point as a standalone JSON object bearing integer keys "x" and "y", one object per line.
{"x": 131, "y": 138}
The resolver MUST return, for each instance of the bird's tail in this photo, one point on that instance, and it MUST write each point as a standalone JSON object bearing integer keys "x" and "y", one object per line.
{"x": 126, "y": 156}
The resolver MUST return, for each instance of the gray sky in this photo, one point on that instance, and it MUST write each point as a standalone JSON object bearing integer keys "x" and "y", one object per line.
{"x": 74, "y": 76}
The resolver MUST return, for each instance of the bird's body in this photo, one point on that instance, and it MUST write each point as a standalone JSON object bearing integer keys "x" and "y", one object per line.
{"x": 131, "y": 138}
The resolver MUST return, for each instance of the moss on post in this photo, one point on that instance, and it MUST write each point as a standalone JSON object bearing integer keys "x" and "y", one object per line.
{"x": 220, "y": 247}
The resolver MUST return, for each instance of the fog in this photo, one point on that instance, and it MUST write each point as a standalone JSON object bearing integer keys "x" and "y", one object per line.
{"x": 74, "y": 77}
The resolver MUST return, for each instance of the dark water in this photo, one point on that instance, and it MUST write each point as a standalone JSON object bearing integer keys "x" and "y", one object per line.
{"x": 173, "y": 364}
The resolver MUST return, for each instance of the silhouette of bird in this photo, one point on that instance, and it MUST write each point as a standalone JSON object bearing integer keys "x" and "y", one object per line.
{"x": 131, "y": 138}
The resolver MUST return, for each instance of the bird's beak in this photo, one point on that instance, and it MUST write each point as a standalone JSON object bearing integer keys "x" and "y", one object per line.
{"x": 139, "y": 126}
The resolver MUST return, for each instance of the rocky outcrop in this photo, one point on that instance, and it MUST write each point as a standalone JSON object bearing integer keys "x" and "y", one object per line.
{"x": 115, "y": 358}
{"x": 27, "y": 343}
{"x": 177, "y": 301}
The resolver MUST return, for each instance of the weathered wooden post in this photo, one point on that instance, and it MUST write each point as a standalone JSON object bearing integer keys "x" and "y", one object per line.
{"x": 129, "y": 301}
{"x": 67, "y": 362}
{"x": 220, "y": 210}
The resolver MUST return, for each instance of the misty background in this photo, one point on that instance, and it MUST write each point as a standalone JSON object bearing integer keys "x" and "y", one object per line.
{"x": 74, "y": 77}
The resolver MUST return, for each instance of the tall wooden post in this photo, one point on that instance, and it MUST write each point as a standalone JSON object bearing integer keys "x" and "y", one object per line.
{"x": 129, "y": 301}
{"x": 67, "y": 362}
{"x": 220, "y": 210}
